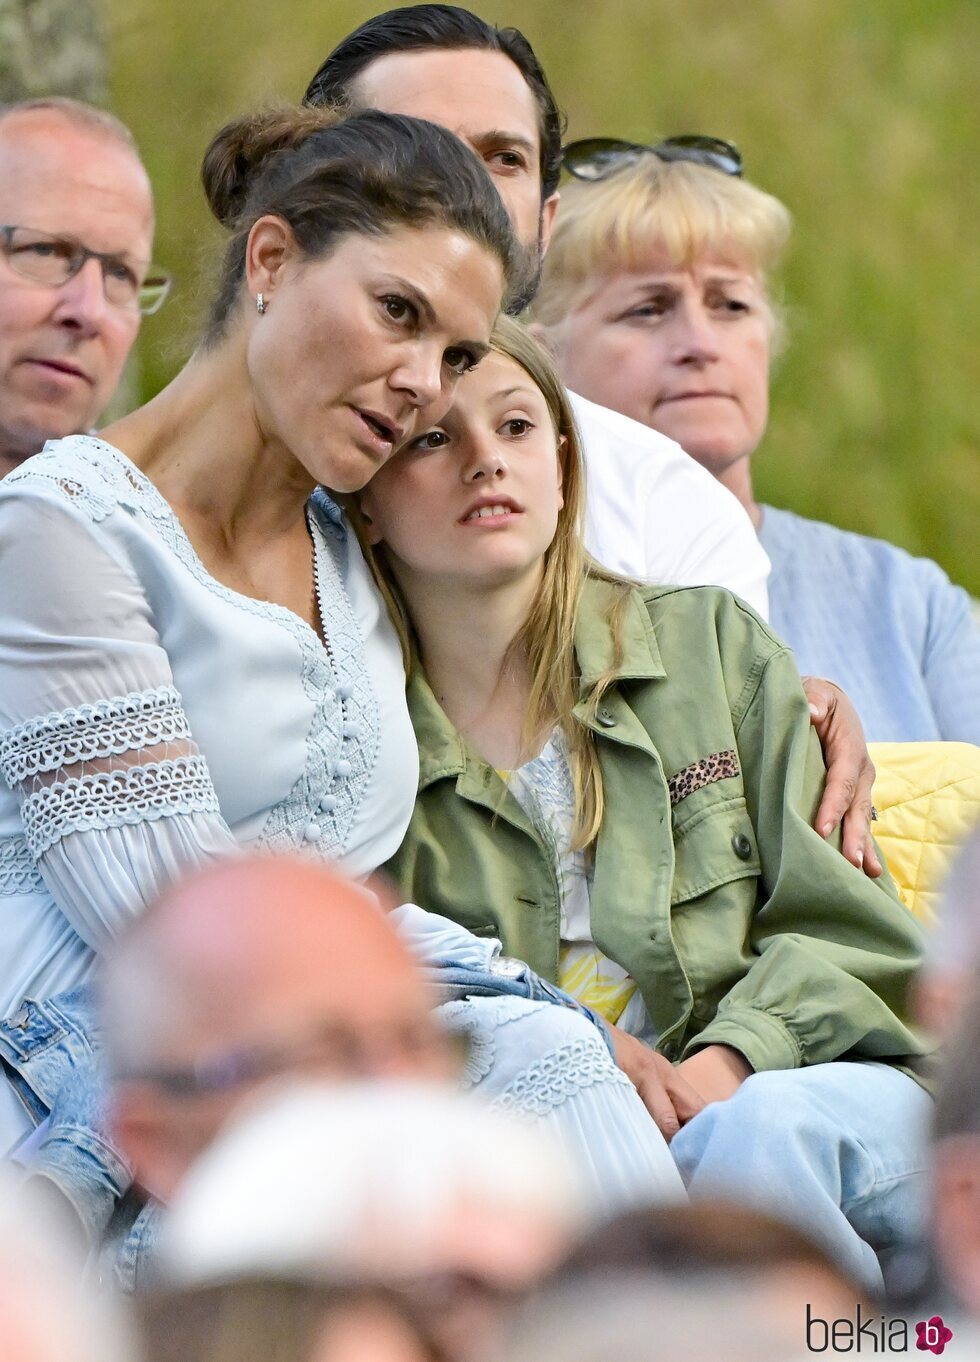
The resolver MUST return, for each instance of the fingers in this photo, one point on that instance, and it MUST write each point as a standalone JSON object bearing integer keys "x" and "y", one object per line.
{"x": 687, "y": 1101}
{"x": 873, "y": 867}
{"x": 856, "y": 831}
{"x": 846, "y": 798}
{"x": 858, "y": 844}
{"x": 651, "y": 1074}
{"x": 670, "y": 1099}
{"x": 657, "y": 1101}
{"x": 668, "y": 1096}
{"x": 839, "y": 794}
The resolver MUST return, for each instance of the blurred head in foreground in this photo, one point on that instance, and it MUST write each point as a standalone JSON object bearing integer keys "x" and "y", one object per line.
{"x": 952, "y": 946}
{"x": 257, "y": 970}
{"x": 956, "y": 1155}
{"x": 783, "y": 1270}
{"x": 649, "y": 1317}
{"x": 272, "y": 1320}
{"x": 407, "y": 1183}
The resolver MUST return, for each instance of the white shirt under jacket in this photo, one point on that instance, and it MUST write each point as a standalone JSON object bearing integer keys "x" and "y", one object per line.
{"x": 654, "y": 513}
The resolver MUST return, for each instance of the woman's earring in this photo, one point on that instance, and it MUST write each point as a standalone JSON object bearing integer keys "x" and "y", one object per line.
{"x": 259, "y": 304}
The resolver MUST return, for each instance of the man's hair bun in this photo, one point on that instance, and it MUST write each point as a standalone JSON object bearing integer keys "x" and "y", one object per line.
{"x": 245, "y": 144}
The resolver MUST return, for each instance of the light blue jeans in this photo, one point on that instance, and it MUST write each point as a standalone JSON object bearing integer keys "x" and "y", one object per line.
{"x": 838, "y": 1149}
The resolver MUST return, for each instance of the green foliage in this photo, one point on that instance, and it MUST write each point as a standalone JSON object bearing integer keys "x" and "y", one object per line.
{"x": 52, "y": 46}
{"x": 859, "y": 114}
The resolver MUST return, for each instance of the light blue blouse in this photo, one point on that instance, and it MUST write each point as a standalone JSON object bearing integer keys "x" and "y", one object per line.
{"x": 891, "y": 629}
{"x": 151, "y": 717}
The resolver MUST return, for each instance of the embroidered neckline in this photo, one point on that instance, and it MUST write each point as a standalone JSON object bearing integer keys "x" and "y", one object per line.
{"x": 333, "y": 674}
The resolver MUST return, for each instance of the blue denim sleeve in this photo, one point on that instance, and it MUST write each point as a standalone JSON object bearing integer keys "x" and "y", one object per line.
{"x": 77, "y": 1155}
{"x": 51, "y": 1054}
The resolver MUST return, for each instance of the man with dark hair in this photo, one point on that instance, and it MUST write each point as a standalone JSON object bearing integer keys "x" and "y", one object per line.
{"x": 441, "y": 30}
{"x": 652, "y": 512}
{"x": 76, "y": 228}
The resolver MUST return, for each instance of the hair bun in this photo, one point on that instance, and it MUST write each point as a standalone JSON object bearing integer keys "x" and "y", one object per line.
{"x": 243, "y": 145}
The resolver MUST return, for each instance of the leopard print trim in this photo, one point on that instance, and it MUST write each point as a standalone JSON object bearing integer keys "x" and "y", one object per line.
{"x": 720, "y": 766}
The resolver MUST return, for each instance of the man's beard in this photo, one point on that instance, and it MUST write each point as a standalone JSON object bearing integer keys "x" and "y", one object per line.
{"x": 527, "y": 278}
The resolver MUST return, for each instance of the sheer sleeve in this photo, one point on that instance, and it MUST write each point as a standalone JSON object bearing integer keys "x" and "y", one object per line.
{"x": 114, "y": 796}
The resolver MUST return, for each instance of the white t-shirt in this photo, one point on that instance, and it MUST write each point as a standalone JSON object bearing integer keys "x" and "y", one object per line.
{"x": 654, "y": 513}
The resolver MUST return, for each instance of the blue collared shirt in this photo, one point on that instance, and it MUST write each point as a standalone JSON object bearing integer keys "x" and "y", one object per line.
{"x": 892, "y": 630}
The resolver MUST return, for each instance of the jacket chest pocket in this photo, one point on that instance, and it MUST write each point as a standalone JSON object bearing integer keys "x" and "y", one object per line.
{"x": 714, "y": 846}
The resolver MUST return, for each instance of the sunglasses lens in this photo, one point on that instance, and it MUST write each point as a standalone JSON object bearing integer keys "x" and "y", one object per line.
{"x": 705, "y": 151}
{"x": 594, "y": 158}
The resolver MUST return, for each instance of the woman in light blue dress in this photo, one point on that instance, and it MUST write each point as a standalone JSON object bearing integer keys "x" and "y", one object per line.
{"x": 193, "y": 656}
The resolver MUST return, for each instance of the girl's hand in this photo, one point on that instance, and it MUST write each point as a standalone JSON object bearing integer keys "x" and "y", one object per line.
{"x": 715, "y": 1072}
{"x": 665, "y": 1092}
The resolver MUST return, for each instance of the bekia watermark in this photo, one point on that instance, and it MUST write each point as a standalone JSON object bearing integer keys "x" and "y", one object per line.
{"x": 933, "y": 1334}
{"x": 873, "y": 1334}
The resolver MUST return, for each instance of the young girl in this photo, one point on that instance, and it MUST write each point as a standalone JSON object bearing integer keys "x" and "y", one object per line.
{"x": 619, "y": 782}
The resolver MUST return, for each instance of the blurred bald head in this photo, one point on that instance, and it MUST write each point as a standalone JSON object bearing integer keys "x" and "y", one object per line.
{"x": 246, "y": 972}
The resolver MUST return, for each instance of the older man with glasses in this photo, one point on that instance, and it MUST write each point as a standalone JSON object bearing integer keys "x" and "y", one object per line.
{"x": 76, "y": 232}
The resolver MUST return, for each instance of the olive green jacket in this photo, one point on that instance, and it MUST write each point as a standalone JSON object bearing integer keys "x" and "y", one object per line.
{"x": 739, "y": 923}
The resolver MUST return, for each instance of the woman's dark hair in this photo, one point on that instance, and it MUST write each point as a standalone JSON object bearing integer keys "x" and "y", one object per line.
{"x": 420, "y": 27}
{"x": 327, "y": 176}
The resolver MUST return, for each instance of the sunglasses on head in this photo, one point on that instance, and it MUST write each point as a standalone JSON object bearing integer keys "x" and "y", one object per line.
{"x": 595, "y": 158}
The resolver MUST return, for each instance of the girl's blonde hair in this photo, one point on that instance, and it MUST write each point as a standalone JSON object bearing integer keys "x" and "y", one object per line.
{"x": 547, "y": 639}
{"x": 684, "y": 209}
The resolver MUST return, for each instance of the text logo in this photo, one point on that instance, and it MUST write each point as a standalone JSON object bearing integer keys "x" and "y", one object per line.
{"x": 871, "y": 1334}
{"x": 932, "y": 1334}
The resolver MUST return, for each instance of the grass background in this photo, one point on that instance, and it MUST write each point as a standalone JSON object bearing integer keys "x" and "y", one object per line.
{"x": 859, "y": 114}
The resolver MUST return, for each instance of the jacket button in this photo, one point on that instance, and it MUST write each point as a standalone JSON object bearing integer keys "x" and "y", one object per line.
{"x": 741, "y": 846}
{"x": 606, "y": 718}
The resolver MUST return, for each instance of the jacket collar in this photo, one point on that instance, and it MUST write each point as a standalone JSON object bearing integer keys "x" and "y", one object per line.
{"x": 594, "y": 643}
{"x": 443, "y": 752}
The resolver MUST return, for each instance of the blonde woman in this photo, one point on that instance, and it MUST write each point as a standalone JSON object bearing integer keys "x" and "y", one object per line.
{"x": 619, "y": 783}
{"x": 656, "y": 301}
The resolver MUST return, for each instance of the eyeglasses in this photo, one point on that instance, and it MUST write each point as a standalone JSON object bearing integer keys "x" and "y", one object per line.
{"x": 52, "y": 260}
{"x": 324, "y": 1051}
{"x": 596, "y": 158}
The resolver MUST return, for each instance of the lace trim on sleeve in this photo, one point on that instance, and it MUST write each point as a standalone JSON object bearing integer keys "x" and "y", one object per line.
{"x": 113, "y": 799}
{"x": 552, "y": 1080}
{"x": 91, "y": 732}
{"x": 18, "y": 869}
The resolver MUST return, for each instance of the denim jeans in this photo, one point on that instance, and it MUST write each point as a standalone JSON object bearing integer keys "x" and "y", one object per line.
{"x": 838, "y": 1149}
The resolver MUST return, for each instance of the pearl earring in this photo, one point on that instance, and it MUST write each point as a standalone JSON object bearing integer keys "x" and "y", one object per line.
{"x": 260, "y": 304}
